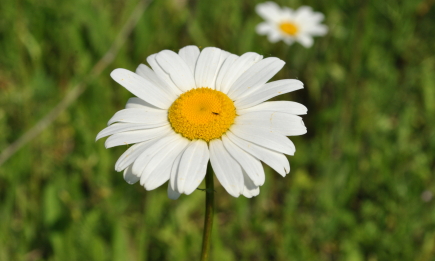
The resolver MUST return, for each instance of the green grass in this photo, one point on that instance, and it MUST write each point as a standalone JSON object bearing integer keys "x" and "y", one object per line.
{"x": 354, "y": 191}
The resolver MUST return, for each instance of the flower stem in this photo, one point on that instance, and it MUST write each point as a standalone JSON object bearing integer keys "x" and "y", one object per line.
{"x": 209, "y": 211}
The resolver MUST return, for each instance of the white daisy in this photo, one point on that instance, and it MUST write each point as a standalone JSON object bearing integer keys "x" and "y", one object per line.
{"x": 290, "y": 25}
{"x": 197, "y": 106}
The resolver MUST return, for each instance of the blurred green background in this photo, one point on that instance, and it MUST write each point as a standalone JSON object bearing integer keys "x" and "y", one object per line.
{"x": 361, "y": 182}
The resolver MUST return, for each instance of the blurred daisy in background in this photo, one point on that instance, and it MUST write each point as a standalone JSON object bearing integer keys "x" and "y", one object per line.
{"x": 197, "y": 106}
{"x": 290, "y": 25}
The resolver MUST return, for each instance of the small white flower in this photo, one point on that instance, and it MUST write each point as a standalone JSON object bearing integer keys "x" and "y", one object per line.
{"x": 290, "y": 25}
{"x": 197, "y": 106}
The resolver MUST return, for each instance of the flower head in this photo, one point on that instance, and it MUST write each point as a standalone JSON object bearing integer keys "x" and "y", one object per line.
{"x": 197, "y": 106}
{"x": 290, "y": 25}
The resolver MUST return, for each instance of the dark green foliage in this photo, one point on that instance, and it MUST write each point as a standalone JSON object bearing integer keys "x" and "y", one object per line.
{"x": 357, "y": 180}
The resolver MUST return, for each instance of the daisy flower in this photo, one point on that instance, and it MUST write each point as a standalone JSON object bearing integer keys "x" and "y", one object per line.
{"x": 197, "y": 106}
{"x": 290, "y": 25}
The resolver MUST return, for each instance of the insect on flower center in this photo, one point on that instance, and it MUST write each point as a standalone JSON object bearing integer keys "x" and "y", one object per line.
{"x": 202, "y": 113}
{"x": 289, "y": 28}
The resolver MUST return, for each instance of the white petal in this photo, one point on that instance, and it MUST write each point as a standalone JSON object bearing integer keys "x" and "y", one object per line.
{"x": 147, "y": 73}
{"x": 157, "y": 178}
{"x": 162, "y": 74}
{"x": 288, "y": 40}
{"x": 142, "y": 88}
{"x": 140, "y": 115}
{"x": 190, "y": 55}
{"x": 249, "y": 189}
{"x": 255, "y": 77}
{"x": 279, "y": 106}
{"x": 174, "y": 172}
{"x": 284, "y": 123}
{"x": 207, "y": 67}
{"x": 303, "y": 13}
{"x": 224, "y": 56}
{"x": 177, "y": 69}
{"x": 261, "y": 116}
{"x": 274, "y": 159}
{"x": 158, "y": 170}
{"x": 142, "y": 161}
{"x": 288, "y": 13}
{"x": 305, "y": 40}
{"x": 317, "y": 17}
{"x": 130, "y": 137}
{"x": 193, "y": 166}
{"x": 129, "y": 176}
{"x": 224, "y": 69}
{"x": 161, "y": 162}
{"x": 250, "y": 164}
{"x": 274, "y": 35}
{"x": 269, "y": 90}
{"x": 151, "y": 76}
{"x": 317, "y": 30}
{"x": 236, "y": 69}
{"x": 227, "y": 170}
{"x": 267, "y": 138}
{"x": 270, "y": 11}
{"x": 121, "y": 127}
{"x": 135, "y": 102}
{"x": 263, "y": 28}
{"x": 132, "y": 153}
{"x": 172, "y": 194}
{"x": 309, "y": 20}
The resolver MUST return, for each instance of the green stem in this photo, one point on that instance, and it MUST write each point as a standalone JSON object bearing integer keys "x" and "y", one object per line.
{"x": 209, "y": 211}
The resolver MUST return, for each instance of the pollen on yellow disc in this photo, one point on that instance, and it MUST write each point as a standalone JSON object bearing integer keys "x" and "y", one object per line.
{"x": 289, "y": 28}
{"x": 202, "y": 113}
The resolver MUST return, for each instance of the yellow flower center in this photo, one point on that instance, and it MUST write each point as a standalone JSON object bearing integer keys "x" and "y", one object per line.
{"x": 202, "y": 113}
{"x": 289, "y": 28}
